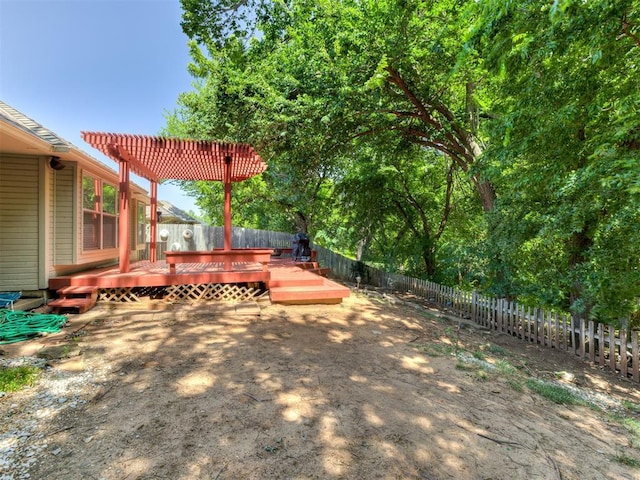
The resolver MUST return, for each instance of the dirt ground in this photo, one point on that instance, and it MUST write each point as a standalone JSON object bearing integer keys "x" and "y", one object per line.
{"x": 369, "y": 389}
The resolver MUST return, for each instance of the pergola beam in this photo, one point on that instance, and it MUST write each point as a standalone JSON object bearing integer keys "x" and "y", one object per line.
{"x": 158, "y": 158}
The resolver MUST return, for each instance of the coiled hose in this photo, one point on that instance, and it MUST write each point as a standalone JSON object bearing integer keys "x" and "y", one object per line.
{"x": 18, "y": 326}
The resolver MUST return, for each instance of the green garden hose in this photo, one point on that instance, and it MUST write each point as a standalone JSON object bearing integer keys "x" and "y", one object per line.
{"x": 18, "y": 326}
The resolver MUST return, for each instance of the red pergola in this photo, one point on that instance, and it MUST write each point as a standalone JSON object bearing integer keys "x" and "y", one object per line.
{"x": 158, "y": 158}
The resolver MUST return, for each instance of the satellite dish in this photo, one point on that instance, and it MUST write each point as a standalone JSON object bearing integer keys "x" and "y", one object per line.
{"x": 175, "y": 247}
{"x": 164, "y": 235}
{"x": 187, "y": 234}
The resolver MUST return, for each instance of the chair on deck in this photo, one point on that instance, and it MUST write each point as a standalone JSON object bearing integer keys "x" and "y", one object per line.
{"x": 7, "y": 299}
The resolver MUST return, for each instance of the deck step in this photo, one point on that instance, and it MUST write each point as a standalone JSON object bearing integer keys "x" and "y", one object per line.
{"x": 295, "y": 279}
{"x": 322, "y": 271}
{"x": 76, "y": 290}
{"x": 81, "y": 303}
{"x": 82, "y": 298}
{"x": 328, "y": 292}
{"x": 306, "y": 265}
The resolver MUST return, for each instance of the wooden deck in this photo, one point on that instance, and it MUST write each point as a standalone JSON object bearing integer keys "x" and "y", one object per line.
{"x": 287, "y": 281}
{"x": 156, "y": 274}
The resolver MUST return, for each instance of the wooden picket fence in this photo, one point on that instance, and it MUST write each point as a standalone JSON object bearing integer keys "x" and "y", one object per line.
{"x": 602, "y": 344}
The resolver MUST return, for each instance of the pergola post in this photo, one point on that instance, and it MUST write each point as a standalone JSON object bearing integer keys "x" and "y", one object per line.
{"x": 153, "y": 240}
{"x": 124, "y": 218}
{"x": 227, "y": 203}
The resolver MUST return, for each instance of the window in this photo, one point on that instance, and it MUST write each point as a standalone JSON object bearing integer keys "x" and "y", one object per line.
{"x": 109, "y": 217}
{"x": 99, "y": 214}
{"x": 141, "y": 222}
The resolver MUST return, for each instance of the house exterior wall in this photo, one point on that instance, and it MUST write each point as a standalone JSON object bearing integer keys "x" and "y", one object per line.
{"x": 63, "y": 226}
{"x": 21, "y": 218}
{"x": 41, "y": 209}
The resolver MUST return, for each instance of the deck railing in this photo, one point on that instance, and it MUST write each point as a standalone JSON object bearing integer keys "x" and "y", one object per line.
{"x": 616, "y": 349}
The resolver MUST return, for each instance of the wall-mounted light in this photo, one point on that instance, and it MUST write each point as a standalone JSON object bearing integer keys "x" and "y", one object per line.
{"x": 56, "y": 164}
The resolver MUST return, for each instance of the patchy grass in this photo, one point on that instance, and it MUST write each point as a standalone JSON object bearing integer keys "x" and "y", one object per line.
{"x": 627, "y": 460}
{"x": 631, "y": 406}
{"x": 479, "y": 354}
{"x": 13, "y": 379}
{"x": 505, "y": 368}
{"x": 498, "y": 350}
{"x": 489, "y": 362}
{"x": 435, "y": 349}
{"x": 465, "y": 367}
{"x": 516, "y": 384}
{"x": 632, "y": 427}
{"x": 555, "y": 393}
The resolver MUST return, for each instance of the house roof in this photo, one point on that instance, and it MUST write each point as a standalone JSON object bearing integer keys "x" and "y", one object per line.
{"x": 27, "y": 125}
{"x": 20, "y": 134}
{"x": 170, "y": 211}
{"x": 159, "y": 158}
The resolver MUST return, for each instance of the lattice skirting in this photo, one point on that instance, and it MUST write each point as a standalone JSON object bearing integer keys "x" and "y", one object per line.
{"x": 227, "y": 292}
{"x": 121, "y": 295}
{"x": 184, "y": 293}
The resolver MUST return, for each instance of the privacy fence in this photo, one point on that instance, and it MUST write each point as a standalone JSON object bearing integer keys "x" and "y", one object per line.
{"x": 602, "y": 344}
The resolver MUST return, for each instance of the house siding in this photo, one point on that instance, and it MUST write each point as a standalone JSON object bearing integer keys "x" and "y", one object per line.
{"x": 63, "y": 219}
{"x": 20, "y": 219}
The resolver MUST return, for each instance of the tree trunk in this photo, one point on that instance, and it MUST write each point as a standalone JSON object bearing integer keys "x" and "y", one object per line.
{"x": 578, "y": 245}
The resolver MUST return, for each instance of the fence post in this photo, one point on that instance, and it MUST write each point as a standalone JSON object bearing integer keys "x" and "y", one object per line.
{"x": 592, "y": 342}
{"x": 612, "y": 349}
{"x": 634, "y": 356}
{"x": 474, "y": 306}
{"x": 623, "y": 352}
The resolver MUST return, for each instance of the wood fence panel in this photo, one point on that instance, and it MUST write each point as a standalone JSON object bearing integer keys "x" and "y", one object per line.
{"x": 623, "y": 352}
{"x": 612, "y": 349}
{"x": 474, "y": 308}
{"x": 520, "y": 321}
{"x": 592, "y": 343}
{"x": 601, "y": 344}
{"x": 635, "y": 356}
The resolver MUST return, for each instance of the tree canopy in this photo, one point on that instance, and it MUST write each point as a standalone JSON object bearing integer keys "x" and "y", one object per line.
{"x": 493, "y": 144}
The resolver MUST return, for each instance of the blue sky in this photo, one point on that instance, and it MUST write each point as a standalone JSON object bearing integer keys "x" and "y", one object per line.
{"x": 97, "y": 65}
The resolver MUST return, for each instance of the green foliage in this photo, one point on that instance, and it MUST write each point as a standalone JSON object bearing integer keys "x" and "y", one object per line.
{"x": 13, "y": 379}
{"x": 564, "y": 157}
{"x": 492, "y": 145}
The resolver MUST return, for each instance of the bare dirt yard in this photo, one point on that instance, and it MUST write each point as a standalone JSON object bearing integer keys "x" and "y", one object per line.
{"x": 369, "y": 389}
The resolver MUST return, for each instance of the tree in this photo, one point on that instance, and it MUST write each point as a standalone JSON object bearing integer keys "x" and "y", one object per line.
{"x": 323, "y": 77}
{"x": 567, "y": 163}
{"x": 376, "y": 116}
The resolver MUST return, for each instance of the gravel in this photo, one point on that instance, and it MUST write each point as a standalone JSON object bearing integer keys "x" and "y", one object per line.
{"x": 29, "y": 416}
